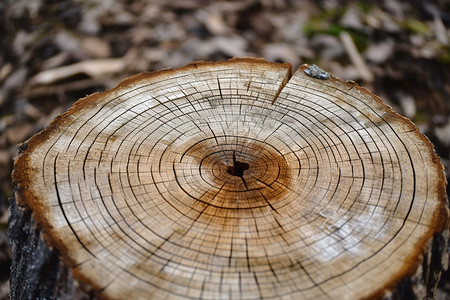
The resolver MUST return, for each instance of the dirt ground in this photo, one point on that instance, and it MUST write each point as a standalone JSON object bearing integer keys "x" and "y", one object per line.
{"x": 54, "y": 52}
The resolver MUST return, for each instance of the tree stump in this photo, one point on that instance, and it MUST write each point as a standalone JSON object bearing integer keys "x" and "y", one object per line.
{"x": 230, "y": 180}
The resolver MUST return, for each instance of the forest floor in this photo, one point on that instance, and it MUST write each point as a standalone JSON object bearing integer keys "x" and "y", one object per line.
{"x": 55, "y": 52}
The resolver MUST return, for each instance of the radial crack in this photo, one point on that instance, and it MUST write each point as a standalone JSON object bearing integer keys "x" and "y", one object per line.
{"x": 283, "y": 84}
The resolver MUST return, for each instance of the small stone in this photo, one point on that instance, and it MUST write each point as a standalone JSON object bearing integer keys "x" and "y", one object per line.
{"x": 316, "y": 72}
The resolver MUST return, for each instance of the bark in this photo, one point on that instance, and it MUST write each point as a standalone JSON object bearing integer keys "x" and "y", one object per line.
{"x": 37, "y": 271}
{"x": 424, "y": 283}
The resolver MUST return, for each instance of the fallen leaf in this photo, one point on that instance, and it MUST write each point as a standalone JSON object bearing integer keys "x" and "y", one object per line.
{"x": 353, "y": 18}
{"x": 32, "y": 111}
{"x": 440, "y": 31}
{"x": 95, "y": 47}
{"x": 231, "y": 46}
{"x": 19, "y": 132}
{"x": 281, "y": 52}
{"x": 55, "y": 61}
{"x": 5, "y": 70}
{"x": 443, "y": 134}
{"x": 377, "y": 19}
{"x": 355, "y": 57}
{"x": 407, "y": 104}
{"x": 379, "y": 53}
{"x": 5, "y": 157}
{"x": 329, "y": 47}
{"x": 92, "y": 68}
{"x": 67, "y": 41}
{"x": 214, "y": 22}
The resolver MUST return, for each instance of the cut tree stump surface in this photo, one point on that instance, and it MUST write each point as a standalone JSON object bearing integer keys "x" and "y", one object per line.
{"x": 237, "y": 180}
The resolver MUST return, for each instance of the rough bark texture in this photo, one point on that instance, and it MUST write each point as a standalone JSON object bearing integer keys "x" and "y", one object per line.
{"x": 37, "y": 272}
{"x": 424, "y": 283}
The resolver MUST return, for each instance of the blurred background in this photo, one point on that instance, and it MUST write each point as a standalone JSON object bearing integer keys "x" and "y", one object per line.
{"x": 55, "y": 52}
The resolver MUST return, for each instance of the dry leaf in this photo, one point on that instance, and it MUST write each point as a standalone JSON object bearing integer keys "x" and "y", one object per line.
{"x": 355, "y": 57}
{"x": 95, "y": 47}
{"x": 213, "y": 22}
{"x": 379, "y": 53}
{"x": 407, "y": 104}
{"x": 92, "y": 68}
{"x": 353, "y": 19}
{"x": 19, "y": 132}
{"x": 281, "y": 52}
{"x": 443, "y": 134}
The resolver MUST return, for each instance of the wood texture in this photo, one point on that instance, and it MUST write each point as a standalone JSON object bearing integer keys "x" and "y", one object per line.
{"x": 235, "y": 180}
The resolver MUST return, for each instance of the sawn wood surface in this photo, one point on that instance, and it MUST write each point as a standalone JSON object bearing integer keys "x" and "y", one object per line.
{"x": 235, "y": 180}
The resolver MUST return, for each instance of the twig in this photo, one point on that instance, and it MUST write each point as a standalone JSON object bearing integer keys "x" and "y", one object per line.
{"x": 355, "y": 57}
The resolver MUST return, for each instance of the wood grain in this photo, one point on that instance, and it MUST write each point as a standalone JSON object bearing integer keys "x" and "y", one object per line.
{"x": 235, "y": 180}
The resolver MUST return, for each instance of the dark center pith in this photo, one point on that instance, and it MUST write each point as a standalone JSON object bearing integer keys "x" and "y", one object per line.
{"x": 238, "y": 168}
